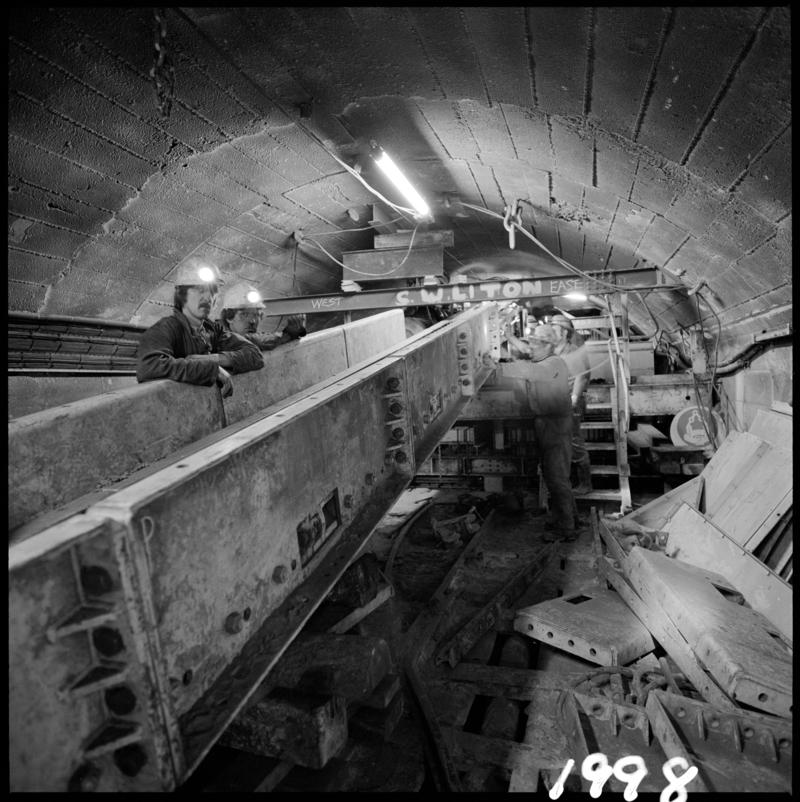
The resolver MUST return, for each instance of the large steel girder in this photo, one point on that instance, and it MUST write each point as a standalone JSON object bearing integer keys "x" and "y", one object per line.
{"x": 141, "y": 627}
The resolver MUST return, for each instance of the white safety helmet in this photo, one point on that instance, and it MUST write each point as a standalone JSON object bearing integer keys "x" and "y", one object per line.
{"x": 544, "y": 333}
{"x": 194, "y": 272}
{"x": 241, "y": 296}
{"x": 562, "y": 321}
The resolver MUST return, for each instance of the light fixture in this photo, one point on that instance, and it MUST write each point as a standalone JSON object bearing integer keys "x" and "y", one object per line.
{"x": 206, "y": 275}
{"x": 254, "y": 297}
{"x": 576, "y": 296}
{"x": 394, "y": 174}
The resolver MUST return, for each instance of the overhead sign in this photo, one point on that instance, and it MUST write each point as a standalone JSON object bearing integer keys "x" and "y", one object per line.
{"x": 468, "y": 292}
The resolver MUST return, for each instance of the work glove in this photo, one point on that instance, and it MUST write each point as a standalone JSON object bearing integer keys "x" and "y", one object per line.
{"x": 225, "y": 382}
{"x": 294, "y": 328}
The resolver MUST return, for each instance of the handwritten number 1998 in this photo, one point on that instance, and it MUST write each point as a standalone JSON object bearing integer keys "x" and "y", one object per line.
{"x": 596, "y": 769}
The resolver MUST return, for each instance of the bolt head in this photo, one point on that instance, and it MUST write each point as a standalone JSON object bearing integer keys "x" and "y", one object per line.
{"x": 234, "y": 623}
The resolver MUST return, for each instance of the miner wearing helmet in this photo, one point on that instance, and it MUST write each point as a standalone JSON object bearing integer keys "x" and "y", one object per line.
{"x": 574, "y": 354}
{"x": 186, "y": 346}
{"x": 547, "y": 387}
{"x": 242, "y": 309}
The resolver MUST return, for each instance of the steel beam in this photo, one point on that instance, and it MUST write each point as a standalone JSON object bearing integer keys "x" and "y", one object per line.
{"x": 183, "y": 589}
{"x": 468, "y": 292}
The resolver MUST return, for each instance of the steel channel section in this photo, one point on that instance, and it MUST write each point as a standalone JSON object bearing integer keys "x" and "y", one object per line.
{"x": 215, "y": 563}
{"x": 596, "y": 626}
{"x": 735, "y": 750}
{"x": 472, "y": 292}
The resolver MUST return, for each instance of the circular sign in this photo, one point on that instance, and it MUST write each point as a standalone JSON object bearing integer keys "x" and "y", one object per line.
{"x": 687, "y": 428}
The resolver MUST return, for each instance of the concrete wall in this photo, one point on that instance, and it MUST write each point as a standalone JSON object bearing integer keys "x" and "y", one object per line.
{"x": 59, "y": 454}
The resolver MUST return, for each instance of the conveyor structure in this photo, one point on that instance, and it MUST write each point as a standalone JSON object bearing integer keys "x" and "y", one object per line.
{"x": 141, "y": 626}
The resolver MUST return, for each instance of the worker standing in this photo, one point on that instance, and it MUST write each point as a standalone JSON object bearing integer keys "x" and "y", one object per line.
{"x": 574, "y": 354}
{"x": 186, "y": 346}
{"x": 547, "y": 387}
{"x": 242, "y": 310}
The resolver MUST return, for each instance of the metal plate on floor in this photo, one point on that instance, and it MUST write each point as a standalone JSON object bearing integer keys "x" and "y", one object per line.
{"x": 595, "y": 625}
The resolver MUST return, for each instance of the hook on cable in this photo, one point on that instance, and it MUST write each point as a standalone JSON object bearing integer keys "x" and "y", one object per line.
{"x": 512, "y": 218}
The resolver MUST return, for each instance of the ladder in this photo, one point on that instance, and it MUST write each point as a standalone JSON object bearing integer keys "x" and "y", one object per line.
{"x": 605, "y": 424}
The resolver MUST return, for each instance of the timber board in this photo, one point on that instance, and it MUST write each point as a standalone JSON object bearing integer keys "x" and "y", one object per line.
{"x": 695, "y": 540}
{"x": 732, "y": 641}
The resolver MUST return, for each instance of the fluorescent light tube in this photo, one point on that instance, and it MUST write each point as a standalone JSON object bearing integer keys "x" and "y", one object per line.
{"x": 392, "y": 171}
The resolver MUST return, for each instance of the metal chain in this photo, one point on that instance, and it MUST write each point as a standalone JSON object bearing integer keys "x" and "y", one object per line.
{"x": 162, "y": 71}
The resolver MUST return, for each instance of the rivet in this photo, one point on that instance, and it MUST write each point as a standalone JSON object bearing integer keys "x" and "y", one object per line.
{"x": 85, "y": 779}
{"x": 398, "y": 433}
{"x": 280, "y": 574}
{"x": 234, "y": 623}
{"x": 348, "y": 501}
{"x": 96, "y": 580}
{"x": 107, "y": 641}
{"x": 130, "y": 759}
{"x": 247, "y": 613}
{"x": 120, "y": 700}
{"x": 400, "y": 456}
{"x": 369, "y": 478}
{"x": 393, "y": 384}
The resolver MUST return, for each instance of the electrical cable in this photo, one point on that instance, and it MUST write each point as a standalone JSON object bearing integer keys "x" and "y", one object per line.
{"x": 362, "y": 272}
{"x": 357, "y": 176}
{"x": 352, "y": 230}
{"x": 658, "y": 330}
{"x": 567, "y": 265}
{"x": 705, "y": 415}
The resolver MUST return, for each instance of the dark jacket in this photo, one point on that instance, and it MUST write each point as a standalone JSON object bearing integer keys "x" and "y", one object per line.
{"x": 163, "y": 349}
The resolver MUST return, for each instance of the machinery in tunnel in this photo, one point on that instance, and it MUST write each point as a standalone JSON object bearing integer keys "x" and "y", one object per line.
{"x": 417, "y": 182}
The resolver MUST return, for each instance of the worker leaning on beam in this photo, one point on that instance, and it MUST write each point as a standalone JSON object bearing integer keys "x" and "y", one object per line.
{"x": 186, "y": 346}
{"x": 242, "y": 310}
{"x": 574, "y": 354}
{"x": 547, "y": 386}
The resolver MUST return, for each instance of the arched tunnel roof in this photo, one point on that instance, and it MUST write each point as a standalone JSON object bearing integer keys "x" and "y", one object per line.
{"x": 633, "y": 137}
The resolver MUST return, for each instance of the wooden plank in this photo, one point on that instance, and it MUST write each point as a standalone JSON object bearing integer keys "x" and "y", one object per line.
{"x": 439, "y": 739}
{"x": 767, "y": 549}
{"x": 786, "y": 556}
{"x": 305, "y": 729}
{"x": 350, "y": 620}
{"x": 771, "y": 517}
{"x": 753, "y": 495}
{"x": 394, "y": 263}
{"x": 667, "y": 634}
{"x": 470, "y": 749}
{"x": 773, "y": 427}
{"x": 733, "y": 642}
{"x": 697, "y": 541}
{"x": 422, "y": 239}
{"x": 657, "y": 512}
{"x": 512, "y": 683}
{"x": 275, "y": 776}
